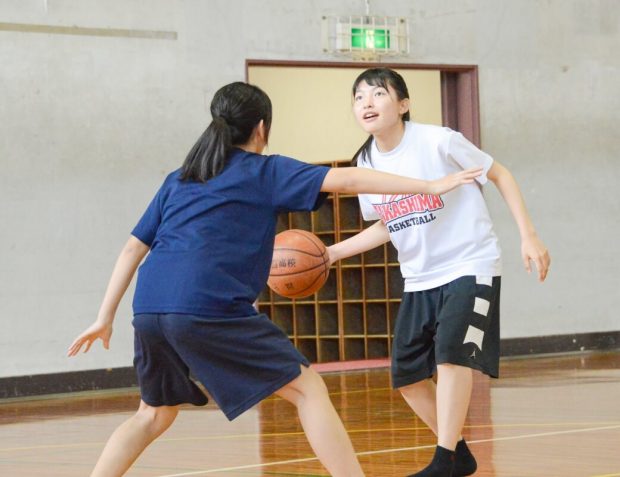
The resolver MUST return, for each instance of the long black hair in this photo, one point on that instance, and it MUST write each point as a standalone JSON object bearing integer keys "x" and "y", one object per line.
{"x": 379, "y": 77}
{"x": 236, "y": 109}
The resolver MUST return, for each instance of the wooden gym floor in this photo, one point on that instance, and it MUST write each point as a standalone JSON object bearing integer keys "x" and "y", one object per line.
{"x": 548, "y": 416}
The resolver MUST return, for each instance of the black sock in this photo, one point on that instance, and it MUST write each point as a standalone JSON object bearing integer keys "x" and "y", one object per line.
{"x": 464, "y": 462}
{"x": 441, "y": 465}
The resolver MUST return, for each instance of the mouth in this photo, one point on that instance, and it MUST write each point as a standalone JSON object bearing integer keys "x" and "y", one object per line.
{"x": 370, "y": 116}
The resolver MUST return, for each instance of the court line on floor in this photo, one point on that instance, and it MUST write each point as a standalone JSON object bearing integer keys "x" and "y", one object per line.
{"x": 387, "y": 451}
{"x": 301, "y": 433}
{"x": 296, "y": 474}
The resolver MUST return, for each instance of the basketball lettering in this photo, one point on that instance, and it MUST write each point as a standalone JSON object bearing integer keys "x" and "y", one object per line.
{"x": 300, "y": 264}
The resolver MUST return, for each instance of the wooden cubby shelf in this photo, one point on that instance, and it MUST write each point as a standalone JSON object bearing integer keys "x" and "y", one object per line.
{"x": 352, "y": 316}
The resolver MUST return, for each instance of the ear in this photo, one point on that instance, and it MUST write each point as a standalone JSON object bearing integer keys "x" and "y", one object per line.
{"x": 403, "y": 107}
{"x": 261, "y": 131}
{"x": 259, "y": 136}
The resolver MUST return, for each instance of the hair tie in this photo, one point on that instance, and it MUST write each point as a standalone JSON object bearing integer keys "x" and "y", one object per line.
{"x": 220, "y": 119}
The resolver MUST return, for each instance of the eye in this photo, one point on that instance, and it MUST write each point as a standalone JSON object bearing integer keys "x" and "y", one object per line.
{"x": 379, "y": 92}
{"x": 358, "y": 97}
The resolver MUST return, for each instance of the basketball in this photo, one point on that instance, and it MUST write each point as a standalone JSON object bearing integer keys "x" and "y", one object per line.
{"x": 300, "y": 264}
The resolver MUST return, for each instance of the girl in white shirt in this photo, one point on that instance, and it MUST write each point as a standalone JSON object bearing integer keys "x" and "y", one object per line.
{"x": 448, "y": 321}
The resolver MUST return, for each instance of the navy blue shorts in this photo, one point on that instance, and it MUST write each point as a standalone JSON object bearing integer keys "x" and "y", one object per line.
{"x": 240, "y": 361}
{"x": 456, "y": 323}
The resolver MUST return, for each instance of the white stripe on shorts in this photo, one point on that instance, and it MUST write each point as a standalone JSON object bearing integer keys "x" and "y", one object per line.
{"x": 481, "y": 306}
{"x": 474, "y": 335}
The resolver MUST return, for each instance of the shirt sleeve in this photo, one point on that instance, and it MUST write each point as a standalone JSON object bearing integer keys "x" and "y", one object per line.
{"x": 466, "y": 155}
{"x": 296, "y": 185}
{"x": 147, "y": 226}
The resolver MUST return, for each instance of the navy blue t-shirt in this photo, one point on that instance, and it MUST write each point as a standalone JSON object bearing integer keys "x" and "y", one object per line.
{"x": 212, "y": 243}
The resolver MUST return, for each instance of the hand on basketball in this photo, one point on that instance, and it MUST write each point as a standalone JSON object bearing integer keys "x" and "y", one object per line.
{"x": 98, "y": 330}
{"x": 533, "y": 250}
{"x": 452, "y": 181}
{"x": 330, "y": 255}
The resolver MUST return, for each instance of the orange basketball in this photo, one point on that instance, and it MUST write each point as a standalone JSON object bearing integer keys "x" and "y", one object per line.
{"x": 300, "y": 264}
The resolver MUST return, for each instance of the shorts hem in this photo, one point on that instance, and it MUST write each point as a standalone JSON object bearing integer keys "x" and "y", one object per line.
{"x": 266, "y": 392}
{"x": 475, "y": 366}
{"x": 176, "y": 402}
{"x": 402, "y": 381}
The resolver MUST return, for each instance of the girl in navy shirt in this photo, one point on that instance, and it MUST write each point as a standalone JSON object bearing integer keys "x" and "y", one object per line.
{"x": 209, "y": 234}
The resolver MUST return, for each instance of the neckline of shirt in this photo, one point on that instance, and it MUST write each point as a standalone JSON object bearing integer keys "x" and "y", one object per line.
{"x": 397, "y": 150}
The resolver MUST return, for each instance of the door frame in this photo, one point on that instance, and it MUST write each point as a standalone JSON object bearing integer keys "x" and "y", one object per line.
{"x": 460, "y": 107}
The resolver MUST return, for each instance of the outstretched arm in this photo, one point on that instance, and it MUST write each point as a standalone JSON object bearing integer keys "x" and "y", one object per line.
{"x": 532, "y": 248}
{"x": 130, "y": 257}
{"x": 375, "y": 235}
{"x": 358, "y": 180}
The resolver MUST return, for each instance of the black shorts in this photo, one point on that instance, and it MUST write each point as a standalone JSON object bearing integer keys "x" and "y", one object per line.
{"x": 240, "y": 361}
{"x": 456, "y": 323}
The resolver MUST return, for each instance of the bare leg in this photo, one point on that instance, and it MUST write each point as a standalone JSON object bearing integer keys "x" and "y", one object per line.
{"x": 322, "y": 425}
{"x": 130, "y": 438}
{"x": 425, "y": 397}
{"x": 454, "y": 384}
{"x": 422, "y": 399}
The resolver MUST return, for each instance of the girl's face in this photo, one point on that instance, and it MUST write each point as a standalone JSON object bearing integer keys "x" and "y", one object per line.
{"x": 378, "y": 110}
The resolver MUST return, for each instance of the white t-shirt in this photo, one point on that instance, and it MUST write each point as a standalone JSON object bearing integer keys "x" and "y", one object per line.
{"x": 438, "y": 238}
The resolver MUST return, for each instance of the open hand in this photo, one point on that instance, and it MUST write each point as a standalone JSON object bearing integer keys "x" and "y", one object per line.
{"x": 452, "y": 181}
{"x": 533, "y": 250}
{"x": 95, "y": 331}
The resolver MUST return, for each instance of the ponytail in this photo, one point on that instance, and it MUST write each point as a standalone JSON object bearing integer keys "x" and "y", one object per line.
{"x": 363, "y": 153}
{"x": 236, "y": 109}
{"x": 207, "y": 157}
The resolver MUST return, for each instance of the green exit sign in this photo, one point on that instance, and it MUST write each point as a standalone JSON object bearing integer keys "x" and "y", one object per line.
{"x": 370, "y": 38}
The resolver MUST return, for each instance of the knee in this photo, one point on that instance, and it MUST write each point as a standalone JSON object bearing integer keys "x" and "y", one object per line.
{"x": 156, "y": 419}
{"x": 316, "y": 385}
{"x": 309, "y": 385}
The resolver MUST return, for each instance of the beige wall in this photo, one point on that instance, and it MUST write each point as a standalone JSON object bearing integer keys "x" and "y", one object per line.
{"x": 312, "y": 117}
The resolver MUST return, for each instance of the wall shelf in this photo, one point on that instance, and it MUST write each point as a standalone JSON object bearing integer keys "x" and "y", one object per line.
{"x": 352, "y": 316}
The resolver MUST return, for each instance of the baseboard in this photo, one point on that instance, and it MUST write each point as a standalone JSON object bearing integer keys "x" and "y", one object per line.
{"x": 608, "y": 340}
{"x": 42, "y": 384}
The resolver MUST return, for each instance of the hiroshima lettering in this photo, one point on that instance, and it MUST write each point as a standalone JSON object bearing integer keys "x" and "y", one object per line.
{"x": 407, "y": 205}
{"x": 403, "y": 224}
